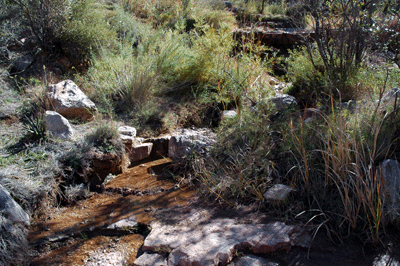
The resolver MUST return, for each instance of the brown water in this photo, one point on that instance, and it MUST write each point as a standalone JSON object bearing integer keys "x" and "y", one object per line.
{"x": 77, "y": 233}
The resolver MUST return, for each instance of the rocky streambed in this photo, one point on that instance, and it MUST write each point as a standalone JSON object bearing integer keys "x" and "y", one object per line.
{"x": 161, "y": 223}
{"x": 156, "y": 221}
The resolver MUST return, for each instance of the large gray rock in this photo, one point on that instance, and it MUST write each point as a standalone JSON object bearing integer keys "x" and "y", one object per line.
{"x": 228, "y": 114}
{"x": 386, "y": 260}
{"x": 69, "y": 101}
{"x": 58, "y": 126}
{"x": 390, "y": 172}
{"x": 187, "y": 141}
{"x": 283, "y": 102}
{"x": 216, "y": 242}
{"x": 11, "y": 209}
{"x": 391, "y": 95}
{"x": 21, "y": 64}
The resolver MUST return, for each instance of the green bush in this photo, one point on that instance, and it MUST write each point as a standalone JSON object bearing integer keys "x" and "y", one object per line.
{"x": 87, "y": 29}
{"x": 168, "y": 61}
{"x": 331, "y": 161}
{"x": 241, "y": 166}
{"x": 162, "y": 14}
{"x": 310, "y": 84}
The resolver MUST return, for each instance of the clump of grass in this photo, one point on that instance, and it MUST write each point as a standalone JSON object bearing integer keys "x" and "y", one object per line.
{"x": 101, "y": 152}
{"x": 74, "y": 193}
{"x": 337, "y": 170}
{"x": 14, "y": 247}
{"x": 35, "y": 128}
{"x": 103, "y": 136}
{"x": 30, "y": 176}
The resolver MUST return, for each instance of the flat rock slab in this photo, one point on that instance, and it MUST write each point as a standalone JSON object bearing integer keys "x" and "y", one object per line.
{"x": 217, "y": 241}
{"x": 151, "y": 259}
{"x": 124, "y": 224}
{"x": 278, "y": 192}
{"x": 250, "y": 260}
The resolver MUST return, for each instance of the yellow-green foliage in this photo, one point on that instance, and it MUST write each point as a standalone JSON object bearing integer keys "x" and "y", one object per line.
{"x": 163, "y": 59}
{"x": 217, "y": 19}
{"x": 306, "y": 72}
{"x": 87, "y": 28}
{"x": 130, "y": 79}
{"x": 209, "y": 55}
{"x": 168, "y": 13}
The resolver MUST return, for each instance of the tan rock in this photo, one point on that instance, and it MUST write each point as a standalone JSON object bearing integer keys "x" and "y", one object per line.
{"x": 216, "y": 241}
{"x": 69, "y": 101}
{"x": 151, "y": 259}
{"x": 140, "y": 151}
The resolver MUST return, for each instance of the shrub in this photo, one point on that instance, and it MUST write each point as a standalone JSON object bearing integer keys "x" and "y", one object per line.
{"x": 45, "y": 18}
{"x": 87, "y": 29}
{"x": 342, "y": 35}
{"x": 167, "y": 60}
{"x": 165, "y": 14}
{"x": 241, "y": 166}
{"x": 310, "y": 84}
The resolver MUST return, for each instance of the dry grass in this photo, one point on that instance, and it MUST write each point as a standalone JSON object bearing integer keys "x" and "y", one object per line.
{"x": 348, "y": 188}
{"x": 14, "y": 247}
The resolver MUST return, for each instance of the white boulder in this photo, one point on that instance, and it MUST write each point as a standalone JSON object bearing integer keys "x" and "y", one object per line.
{"x": 186, "y": 141}
{"x": 58, "y": 126}
{"x": 68, "y": 100}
